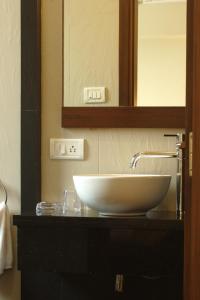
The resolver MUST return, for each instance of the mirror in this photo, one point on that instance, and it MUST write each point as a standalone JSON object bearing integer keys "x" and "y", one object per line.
{"x": 161, "y": 63}
{"x": 95, "y": 47}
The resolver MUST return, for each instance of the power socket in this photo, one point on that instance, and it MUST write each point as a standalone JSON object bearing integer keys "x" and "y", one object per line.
{"x": 67, "y": 149}
{"x": 73, "y": 147}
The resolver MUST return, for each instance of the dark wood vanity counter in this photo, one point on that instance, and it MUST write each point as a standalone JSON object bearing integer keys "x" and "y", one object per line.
{"x": 78, "y": 256}
{"x": 153, "y": 220}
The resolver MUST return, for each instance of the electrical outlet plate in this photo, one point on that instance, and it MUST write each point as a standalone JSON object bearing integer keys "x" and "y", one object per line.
{"x": 67, "y": 149}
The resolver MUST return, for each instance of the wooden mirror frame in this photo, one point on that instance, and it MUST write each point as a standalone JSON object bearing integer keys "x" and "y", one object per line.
{"x": 126, "y": 115}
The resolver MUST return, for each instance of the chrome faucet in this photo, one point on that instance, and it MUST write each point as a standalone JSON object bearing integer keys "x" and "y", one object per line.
{"x": 178, "y": 155}
{"x": 151, "y": 154}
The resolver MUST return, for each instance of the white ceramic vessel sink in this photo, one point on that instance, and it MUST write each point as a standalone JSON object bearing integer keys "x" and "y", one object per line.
{"x": 121, "y": 194}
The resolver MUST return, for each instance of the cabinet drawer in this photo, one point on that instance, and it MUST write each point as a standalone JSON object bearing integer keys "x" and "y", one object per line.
{"x": 152, "y": 288}
{"x": 137, "y": 252}
{"x": 55, "y": 249}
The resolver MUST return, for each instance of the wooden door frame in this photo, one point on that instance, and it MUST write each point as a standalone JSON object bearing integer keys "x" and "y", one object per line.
{"x": 192, "y": 205}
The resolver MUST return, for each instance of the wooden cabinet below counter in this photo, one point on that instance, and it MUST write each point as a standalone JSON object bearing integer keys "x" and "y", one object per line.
{"x": 78, "y": 257}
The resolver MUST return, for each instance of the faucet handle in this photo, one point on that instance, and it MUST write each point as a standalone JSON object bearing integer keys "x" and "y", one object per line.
{"x": 180, "y": 143}
{"x": 177, "y": 135}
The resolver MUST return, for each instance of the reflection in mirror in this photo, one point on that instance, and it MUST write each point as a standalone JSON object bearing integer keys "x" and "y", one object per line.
{"x": 161, "y": 53}
{"x": 91, "y": 52}
{"x": 92, "y": 32}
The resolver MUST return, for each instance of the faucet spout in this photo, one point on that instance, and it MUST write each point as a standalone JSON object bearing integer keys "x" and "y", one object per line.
{"x": 151, "y": 154}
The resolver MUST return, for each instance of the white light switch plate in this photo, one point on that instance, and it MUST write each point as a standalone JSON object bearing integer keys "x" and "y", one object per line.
{"x": 67, "y": 149}
{"x": 94, "y": 95}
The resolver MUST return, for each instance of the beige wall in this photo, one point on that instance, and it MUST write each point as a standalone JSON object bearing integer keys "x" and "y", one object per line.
{"x": 10, "y": 123}
{"x": 107, "y": 150}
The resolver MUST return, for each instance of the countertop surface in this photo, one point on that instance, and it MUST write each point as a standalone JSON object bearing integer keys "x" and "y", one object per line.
{"x": 90, "y": 219}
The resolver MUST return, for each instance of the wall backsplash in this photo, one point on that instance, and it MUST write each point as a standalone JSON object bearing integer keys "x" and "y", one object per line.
{"x": 107, "y": 150}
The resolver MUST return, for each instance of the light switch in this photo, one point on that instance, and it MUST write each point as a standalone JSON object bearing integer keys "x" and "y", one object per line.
{"x": 94, "y": 95}
{"x": 67, "y": 149}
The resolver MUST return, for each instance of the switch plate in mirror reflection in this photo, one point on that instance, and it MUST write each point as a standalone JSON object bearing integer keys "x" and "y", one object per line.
{"x": 94, "y": 95}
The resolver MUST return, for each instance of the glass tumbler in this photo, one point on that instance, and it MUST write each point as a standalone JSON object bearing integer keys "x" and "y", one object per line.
{"x": 71, "y": 202}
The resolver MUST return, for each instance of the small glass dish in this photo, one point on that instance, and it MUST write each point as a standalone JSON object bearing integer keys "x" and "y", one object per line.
{"x": 49, "y": 209}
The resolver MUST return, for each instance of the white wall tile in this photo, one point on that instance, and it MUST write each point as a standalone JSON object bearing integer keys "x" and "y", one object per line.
{"x": 57, "y": 174}
{"x": 117, "y": 146}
